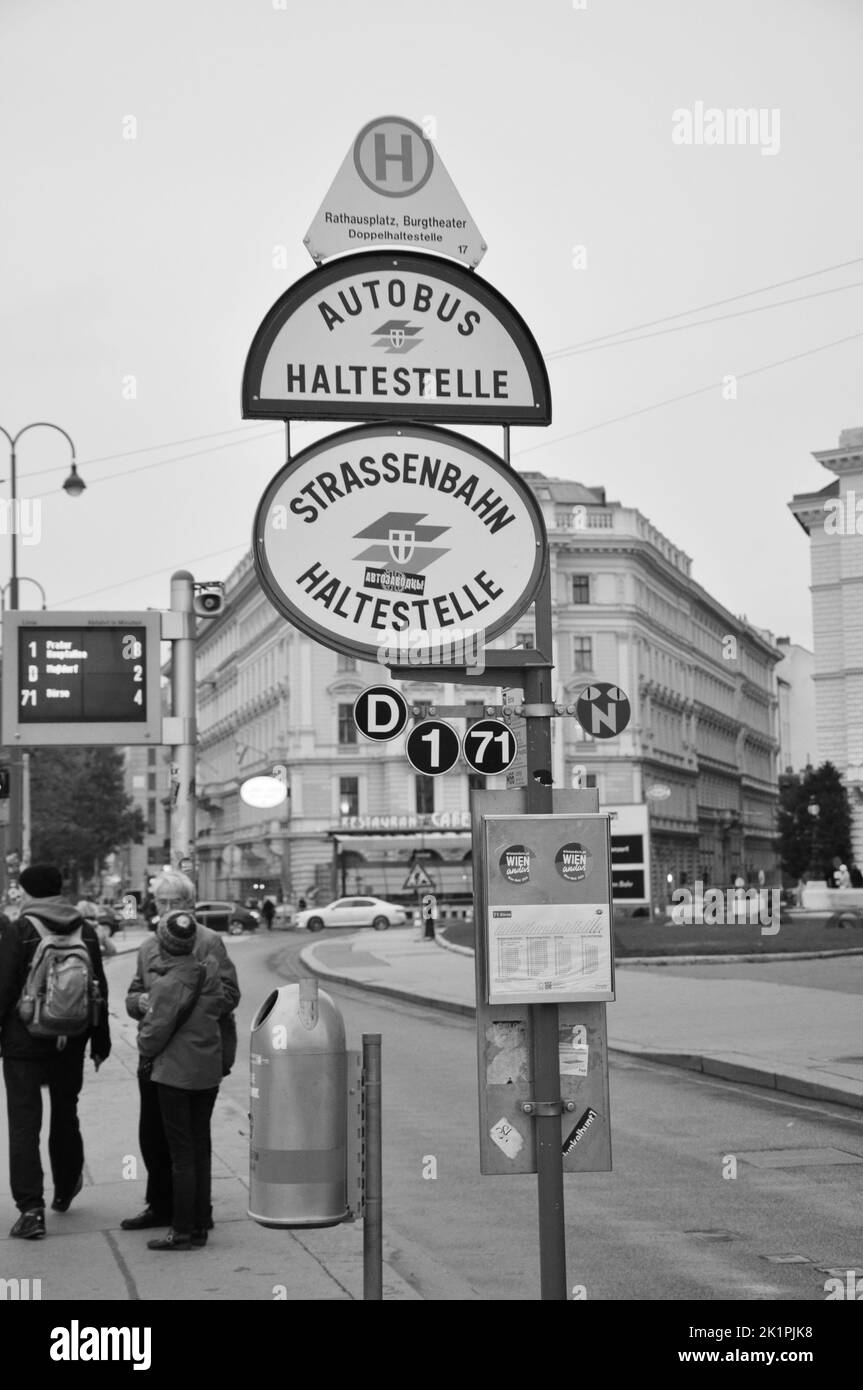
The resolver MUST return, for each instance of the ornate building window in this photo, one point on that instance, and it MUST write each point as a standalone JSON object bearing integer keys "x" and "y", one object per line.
{"x": 582, "y": 653}
{"x": 347, "y": 727}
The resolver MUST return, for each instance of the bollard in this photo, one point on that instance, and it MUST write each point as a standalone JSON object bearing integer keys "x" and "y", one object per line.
{"x": 298, "y": 1113}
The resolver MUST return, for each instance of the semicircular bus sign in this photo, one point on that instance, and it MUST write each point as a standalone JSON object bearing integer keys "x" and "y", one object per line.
{"x": 383, "y": 335}
{"x": 403, "y": 545}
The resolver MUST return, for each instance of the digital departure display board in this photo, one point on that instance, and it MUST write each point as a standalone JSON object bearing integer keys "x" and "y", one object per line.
{"x": 81, "y": 678}
{"x": 82, "y": 674}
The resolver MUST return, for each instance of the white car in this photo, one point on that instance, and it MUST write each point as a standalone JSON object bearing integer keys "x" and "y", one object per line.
{"x": 353, "y": 912}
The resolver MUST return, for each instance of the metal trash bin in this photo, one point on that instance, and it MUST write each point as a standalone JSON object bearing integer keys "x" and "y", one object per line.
{"x": 298, "y": 1111}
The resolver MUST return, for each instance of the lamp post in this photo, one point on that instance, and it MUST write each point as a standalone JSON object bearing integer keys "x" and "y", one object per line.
{"x": 73, "y": 486}
{"x": 345, "y": 808}
{"x": 266, "y": 791}
{"x": 814, "y": 811}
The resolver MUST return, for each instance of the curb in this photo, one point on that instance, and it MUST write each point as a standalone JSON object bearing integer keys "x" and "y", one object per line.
{"x": 771, "y": 958}
{"x": 687, "y": 1061}
{"x": 449, "y": 1006}
{"x": 451, "y": 946}
{"x": 751, "y": 1076}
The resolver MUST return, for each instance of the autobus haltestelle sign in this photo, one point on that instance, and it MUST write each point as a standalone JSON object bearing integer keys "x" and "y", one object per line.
{"x": 399, "y": 544}
{"x": 387, "y": 335}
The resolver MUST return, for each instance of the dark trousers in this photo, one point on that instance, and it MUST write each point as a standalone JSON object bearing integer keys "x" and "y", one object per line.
{"x": 63, "y": 1074}
{"x": 154, "y": 1149}
{"x": 186, "y": 1117}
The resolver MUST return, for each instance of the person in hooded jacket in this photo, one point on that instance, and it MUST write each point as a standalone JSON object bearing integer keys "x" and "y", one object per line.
{"x": 172, "y": 891}
{"x": 29, "y": 1063}
{"x": 180, "y": 1038}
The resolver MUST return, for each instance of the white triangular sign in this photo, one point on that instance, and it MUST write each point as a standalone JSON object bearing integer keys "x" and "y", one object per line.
{"x": 393, "y": 189}
{"x": 417, "y": 878}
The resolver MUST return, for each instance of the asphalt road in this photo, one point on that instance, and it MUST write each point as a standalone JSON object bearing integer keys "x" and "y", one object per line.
{"x": 665, "y": 1224}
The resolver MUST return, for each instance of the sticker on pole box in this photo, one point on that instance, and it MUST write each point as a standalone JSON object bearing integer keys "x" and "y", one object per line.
{"x": 572, "y": 1049}
{"x": 581, "y": 1128}
{"x": 573, "y": 861}
{"x": 514, "y": 863}
{"x": 507, "y": 1138}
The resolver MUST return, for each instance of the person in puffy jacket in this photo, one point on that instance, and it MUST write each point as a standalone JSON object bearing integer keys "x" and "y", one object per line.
{"x": 181, "y": 1039}
{"x": 172, "y": 891}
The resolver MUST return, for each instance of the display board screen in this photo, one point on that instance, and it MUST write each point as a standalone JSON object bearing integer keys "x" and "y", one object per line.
{"x": 82, "y": 675}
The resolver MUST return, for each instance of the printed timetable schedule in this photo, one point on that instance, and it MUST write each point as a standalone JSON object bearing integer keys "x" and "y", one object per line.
{"x": 82, "y": 675}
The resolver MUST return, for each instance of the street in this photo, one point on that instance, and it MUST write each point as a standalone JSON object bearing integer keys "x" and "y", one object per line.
{"x": 665, "y": 1224}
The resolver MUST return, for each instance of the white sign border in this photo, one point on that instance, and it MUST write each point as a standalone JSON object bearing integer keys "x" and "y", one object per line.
{"x": 435, "y": 411}
{"x": 360, "y": 650}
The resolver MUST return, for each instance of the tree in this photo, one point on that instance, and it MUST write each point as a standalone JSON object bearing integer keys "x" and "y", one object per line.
{"x": 810, "y": 839}
{"x": 79, "y": 809}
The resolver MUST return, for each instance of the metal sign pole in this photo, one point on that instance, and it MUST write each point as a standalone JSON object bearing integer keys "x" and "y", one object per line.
{"x": 372, "y": 1210}
{"x": 544, "y": 1017}
{"x": 183, "y": 710}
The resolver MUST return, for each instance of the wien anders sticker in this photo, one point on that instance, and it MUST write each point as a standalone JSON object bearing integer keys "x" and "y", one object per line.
{"x": 515, "y": 863}
{"x": 573, "y": 862}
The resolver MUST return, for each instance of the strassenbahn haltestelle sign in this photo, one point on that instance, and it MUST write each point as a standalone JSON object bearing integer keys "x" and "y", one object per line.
{"x": 412, "y": 541}
{"x": 395, "y": 335}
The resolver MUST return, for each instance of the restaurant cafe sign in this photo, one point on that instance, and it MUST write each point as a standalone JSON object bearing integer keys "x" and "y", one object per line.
{"x": 383, "y": 335}
{"x": 435, "y": 820}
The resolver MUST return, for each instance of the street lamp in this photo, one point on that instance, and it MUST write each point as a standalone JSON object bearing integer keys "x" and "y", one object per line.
{"x": 345, "y": 808}
{"x": 73, "y": 486}
{"x": 814, "y": 810}
{"x": 18, "y": 768}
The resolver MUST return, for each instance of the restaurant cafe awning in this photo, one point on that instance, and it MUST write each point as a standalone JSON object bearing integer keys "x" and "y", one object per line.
{"x": 379, "y": 864}
{"x": 399, "y": 847}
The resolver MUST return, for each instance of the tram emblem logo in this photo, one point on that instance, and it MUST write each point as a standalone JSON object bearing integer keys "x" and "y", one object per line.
{"x": 401, "y": 539}
{"x": 402, "y": 545}
{"x": 397, "y": 335}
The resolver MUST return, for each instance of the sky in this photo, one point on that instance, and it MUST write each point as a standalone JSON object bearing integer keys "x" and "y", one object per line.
{"x": 135, "y": 271}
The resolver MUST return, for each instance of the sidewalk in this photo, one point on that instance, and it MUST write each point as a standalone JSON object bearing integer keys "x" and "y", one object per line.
{"x": 790, "y": 1026}
{"x": 87, "y": 1256}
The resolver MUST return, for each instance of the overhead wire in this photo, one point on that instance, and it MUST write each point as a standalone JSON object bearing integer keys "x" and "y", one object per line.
{"x": 686, "y": 395}
{"x": 701, "y": 308}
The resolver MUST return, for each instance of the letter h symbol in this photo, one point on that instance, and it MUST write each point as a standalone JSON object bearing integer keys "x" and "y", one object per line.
{"x": 406, "y": 158}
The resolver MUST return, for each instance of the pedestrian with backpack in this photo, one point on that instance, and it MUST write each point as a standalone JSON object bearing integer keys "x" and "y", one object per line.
{"x": 53, "y": 1000}
{"x": 180, "y": 1045}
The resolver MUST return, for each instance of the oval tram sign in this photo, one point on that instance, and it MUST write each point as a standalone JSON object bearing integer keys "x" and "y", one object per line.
{"x": 406, "y": 546}
{"x": 388, "y": 335}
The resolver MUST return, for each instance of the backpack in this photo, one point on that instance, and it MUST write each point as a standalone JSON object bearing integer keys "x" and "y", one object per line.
{"x": 60, "y": 998}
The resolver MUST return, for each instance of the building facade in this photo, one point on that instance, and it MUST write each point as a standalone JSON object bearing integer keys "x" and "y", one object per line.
{"x": 703, "y": 731}
{"x": 795, "y": 680}
{"x": 833, "y": 520}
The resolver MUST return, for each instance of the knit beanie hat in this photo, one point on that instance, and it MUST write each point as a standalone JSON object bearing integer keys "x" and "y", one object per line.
{"x": 176, "y": 933}
{"x": 41, "y": 881}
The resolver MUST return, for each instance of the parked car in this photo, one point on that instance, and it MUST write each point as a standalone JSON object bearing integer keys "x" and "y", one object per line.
{"x": 353, "y": 912}
{"x": 286, "y": 916}
{"x": 229, "y": 917}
